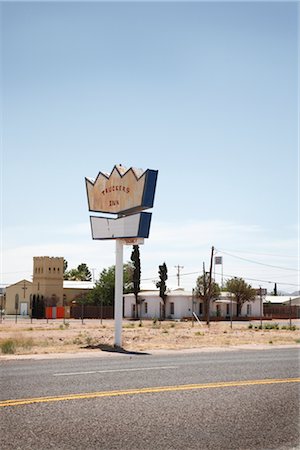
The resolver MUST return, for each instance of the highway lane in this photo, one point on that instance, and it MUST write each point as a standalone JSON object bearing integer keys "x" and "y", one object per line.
{"x": 27, "y": 378}
{"x": 254, "y": 416}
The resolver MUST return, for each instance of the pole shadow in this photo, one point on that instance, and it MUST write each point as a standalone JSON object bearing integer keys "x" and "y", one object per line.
{"x": 114, "y": 349}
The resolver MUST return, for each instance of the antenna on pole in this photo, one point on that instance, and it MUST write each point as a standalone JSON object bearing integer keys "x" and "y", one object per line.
{"x": 93, "y": 272}
{"x": 178, "y": 273}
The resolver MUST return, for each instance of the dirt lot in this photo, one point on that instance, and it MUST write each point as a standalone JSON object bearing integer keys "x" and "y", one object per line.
{"x": 40, "y": 337}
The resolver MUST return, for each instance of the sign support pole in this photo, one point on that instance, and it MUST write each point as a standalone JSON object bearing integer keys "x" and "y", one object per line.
{"x": 118, "y": 293}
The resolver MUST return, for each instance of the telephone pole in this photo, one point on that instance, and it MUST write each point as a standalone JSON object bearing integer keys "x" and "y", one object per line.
{"x": 178, "y": 273}
{"x": 209, "y": 284}
{"x": 93, "y": 272}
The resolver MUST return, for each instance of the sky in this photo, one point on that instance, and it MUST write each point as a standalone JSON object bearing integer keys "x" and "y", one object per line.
{"x": 207, "y": 93}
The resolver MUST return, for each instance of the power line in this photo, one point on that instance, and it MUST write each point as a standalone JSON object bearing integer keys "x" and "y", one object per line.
{"x": 257, "y": 262}
{"x": 261, "y": 254}
{"x": 199, "y": 272}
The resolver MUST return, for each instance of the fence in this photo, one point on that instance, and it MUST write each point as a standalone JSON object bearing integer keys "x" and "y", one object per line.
{"x": 282, "y": 311}
{"x": 91, "y": 312}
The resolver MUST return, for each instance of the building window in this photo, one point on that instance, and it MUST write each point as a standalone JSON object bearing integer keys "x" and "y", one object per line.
{"x": 38, "y": 286}
{"x": 171, "y": 308}
{"x": 146, "y": 307}
{"x": 200, "y": 309}
{"x": 58, "y": 269}
{"x": 49, "y": 269}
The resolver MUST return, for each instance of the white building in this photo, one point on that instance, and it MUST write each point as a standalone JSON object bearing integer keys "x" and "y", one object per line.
{"x": 180, "y": 304}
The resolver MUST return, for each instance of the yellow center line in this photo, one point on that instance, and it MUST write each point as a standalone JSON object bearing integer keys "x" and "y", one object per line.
{"x": 149, "y": 390}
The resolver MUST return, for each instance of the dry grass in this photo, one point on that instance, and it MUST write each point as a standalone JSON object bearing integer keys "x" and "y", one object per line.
{"x": 57, "y": 337}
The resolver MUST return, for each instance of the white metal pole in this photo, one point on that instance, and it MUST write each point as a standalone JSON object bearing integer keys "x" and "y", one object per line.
{"x": 118, "y": 293}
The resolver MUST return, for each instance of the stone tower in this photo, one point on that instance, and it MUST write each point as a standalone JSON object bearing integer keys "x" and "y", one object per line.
{"x": 47, "y": 283}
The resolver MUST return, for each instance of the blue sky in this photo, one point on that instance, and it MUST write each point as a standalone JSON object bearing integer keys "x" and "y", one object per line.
{"x": 206, "y": 93}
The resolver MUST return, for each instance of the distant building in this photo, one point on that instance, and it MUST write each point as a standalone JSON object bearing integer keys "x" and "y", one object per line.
{"x": 181, "y": 304}
{"x": 282, "y": 306}
{"x": 47, "y": 288}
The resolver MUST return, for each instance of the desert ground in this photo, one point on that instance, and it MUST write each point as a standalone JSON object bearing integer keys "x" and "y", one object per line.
{"x": 73, "y": 336}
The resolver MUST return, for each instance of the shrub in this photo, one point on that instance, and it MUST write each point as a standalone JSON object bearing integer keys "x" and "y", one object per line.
{"x": 199, "y": 333}
{"x": 129, "y": 325}
{"x": 8, "y": 346}
{"x": 89, "y": 340}
{"x": 271, "y": 326}
{"x": 25, "y": 343}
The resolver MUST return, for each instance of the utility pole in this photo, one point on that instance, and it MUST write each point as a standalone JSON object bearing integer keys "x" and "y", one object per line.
{"x": 193, "y": 293}
{"x": 93, "y": 271}
{"x": 178, "y": 273}
{"x": 205, "y": 293}
{"x": 261, "y": 307}
{"x": 209, "y": 284}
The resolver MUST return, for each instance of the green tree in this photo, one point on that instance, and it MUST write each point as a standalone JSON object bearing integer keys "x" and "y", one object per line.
{"x": 242, "y": 292}
{"x": 65, "y": 269}
{"x": 82, "y": 273}
{"x": 136, "y": 276}
{"x": 104, "y": 290}
{"x": 161, "y": 284}
{"x": 85, "y": 272}
{"x": 202, "y": 291}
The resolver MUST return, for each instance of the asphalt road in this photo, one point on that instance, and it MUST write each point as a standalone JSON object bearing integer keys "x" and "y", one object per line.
{"x": 210, "y": 400}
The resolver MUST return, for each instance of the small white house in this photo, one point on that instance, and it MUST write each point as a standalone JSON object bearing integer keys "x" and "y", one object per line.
{"x": 181, "y": 304}
{"x": 178, "y": 304}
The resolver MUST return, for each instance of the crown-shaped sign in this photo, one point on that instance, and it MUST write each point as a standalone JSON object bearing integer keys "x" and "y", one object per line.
{"x": 122, "y": 191}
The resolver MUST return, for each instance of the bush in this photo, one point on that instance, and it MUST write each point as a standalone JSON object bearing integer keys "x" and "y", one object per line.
{"x": 199, "y": 333}
{"x": 8, "y": 347}
{"x": 271, "y": 326}
{"x": 287, "y": 327}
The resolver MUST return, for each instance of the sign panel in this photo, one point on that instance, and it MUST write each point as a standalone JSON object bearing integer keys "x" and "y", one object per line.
{"x": 261, "y": 291}
{"x": 123, "y": 191}
{"x": 218, "y": 260}
{"x": 133, "y": 226}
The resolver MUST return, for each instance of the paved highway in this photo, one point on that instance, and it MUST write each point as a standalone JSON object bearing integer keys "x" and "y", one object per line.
{"x": 192, "y": 400}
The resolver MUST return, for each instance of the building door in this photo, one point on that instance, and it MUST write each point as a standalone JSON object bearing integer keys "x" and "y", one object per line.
{"x": 23, "y": 309}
